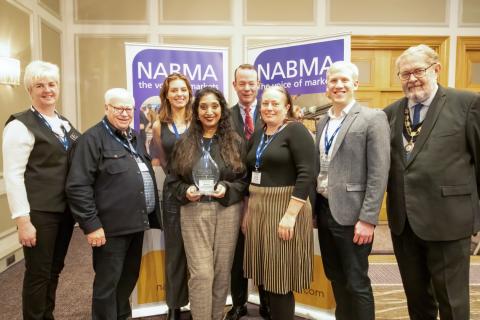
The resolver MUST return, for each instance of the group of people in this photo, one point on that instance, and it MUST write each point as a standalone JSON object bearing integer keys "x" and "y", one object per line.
{"x": 253, "y": 217}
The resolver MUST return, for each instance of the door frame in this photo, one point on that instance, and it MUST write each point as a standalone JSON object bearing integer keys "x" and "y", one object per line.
{"x": 441, "y": 44}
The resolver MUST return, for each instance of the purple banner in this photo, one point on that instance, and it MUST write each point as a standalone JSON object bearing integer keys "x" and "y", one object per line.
{"x": 151, "y": 66}
{"x": 299, "y": 68}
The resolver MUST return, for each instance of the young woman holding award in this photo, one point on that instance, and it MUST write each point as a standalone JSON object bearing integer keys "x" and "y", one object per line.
{"x": 278, "y": 219}
{"x": 173, "y": 121}
{"x": 208, "y": 178}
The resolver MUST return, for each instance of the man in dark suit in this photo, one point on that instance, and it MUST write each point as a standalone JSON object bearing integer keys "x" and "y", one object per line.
{"x": 245, "y": 116}
{"x": 351, "y": 167}
{"x": 433, "y": 194}
{"x": 246, "y": 85}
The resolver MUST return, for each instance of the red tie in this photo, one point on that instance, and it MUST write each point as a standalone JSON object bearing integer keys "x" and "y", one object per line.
{"x": 248, "y": 123}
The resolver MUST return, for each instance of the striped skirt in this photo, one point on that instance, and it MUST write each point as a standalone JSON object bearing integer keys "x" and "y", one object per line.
{"x": 280, "y": 266}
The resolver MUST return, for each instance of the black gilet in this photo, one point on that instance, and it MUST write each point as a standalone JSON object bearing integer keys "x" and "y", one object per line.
{"x": 47, "y": 165}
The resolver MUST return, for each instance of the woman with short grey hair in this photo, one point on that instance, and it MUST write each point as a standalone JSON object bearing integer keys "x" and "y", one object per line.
{"x": 36, "y": 144}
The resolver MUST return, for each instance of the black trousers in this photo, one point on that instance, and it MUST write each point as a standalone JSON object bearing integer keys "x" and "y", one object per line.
{"x": 238, "y": 283}
{"x": 44, "y": 262}
{"x": 176, "y": 270}
{"x": 116, "y": 265}
{"x": 435, "y": 275}
{"x": 346, "y": 266}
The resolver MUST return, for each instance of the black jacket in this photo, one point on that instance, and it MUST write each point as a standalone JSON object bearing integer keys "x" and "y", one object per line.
{"x": 237, "y": 119}
{"x": 105, "y": 186}
{"x": 235, "y": 183}
{"x": 438, "y": 188}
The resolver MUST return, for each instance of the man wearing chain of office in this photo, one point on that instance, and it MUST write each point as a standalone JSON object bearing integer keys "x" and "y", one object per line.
{"x": 433, "y": 187}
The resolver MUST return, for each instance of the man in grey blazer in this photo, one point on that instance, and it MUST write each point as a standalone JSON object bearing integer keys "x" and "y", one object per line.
{"x": 351, "y": 161}
{"x": 433, "y": 188}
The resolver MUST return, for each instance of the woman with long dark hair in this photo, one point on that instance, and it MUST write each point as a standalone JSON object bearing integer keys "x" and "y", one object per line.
{"x": 209, "y": 220}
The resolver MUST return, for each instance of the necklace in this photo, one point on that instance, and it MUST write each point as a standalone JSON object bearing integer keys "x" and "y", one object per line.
{"x": 412, "y": 134}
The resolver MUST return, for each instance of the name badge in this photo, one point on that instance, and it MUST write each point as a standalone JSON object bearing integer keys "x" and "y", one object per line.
{"x": 256, "y": 177}
{"x": 324, "y": 163}
{"x": 143, "y": 167}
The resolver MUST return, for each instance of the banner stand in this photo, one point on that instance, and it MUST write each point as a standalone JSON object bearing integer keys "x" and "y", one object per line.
{"x": 147, "y": 65}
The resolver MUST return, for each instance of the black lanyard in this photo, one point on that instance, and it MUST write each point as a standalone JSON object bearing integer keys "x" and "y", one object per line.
{"x": 263, "y": 145}
{"x": 126, "y": 146}
{"x": 63, "y": 140}
{"x": 329, "y": 141}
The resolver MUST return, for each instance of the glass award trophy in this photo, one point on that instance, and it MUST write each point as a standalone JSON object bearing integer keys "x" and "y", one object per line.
{"x": 205, "y": 174}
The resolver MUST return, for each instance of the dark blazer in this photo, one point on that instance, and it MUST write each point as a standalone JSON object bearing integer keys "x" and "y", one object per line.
{"x": 358, "y": 170}
{"x": 438, "y": 187}
{"x": 237, "y": 119}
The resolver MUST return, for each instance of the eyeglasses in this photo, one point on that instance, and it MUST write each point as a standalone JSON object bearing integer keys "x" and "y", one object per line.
{"x": 418, "y": 73}
{"x": 120, "y": 110}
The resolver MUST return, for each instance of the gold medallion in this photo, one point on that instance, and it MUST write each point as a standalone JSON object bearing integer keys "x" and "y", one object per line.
{"x": 409, "y": 146}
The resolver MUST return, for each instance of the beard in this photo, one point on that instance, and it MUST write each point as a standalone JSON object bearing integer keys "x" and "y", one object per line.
{"x": 419, "y": 92}
{"x": 417, "y": 95}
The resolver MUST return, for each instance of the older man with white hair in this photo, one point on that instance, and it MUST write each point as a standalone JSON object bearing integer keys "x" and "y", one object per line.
{"x": 434, "y": 186}
{"x": 113, "y": 196}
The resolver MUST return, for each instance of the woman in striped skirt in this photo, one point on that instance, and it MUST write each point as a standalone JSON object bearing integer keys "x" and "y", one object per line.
{"x": 278, "y": 216}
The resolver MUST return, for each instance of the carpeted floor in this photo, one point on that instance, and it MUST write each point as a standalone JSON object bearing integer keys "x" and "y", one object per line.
{"x": 74, "y": 292}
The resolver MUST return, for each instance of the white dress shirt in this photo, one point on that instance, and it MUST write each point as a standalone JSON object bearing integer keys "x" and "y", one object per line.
{"x": 333, "y": 124}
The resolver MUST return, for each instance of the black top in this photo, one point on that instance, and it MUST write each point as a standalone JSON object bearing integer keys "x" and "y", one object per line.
{"x": 168, "y": 140}
{"x": 235, "y": 183}
{"x": 287, "y": 160}
{"x": 105, "y": 185}
{"x": 47, "y": 165}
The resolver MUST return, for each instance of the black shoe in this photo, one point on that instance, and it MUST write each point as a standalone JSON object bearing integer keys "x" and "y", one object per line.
{"x": 264, "y": 312}
{"x": 173, "y": 314}
{"x": 236, "y": 312}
